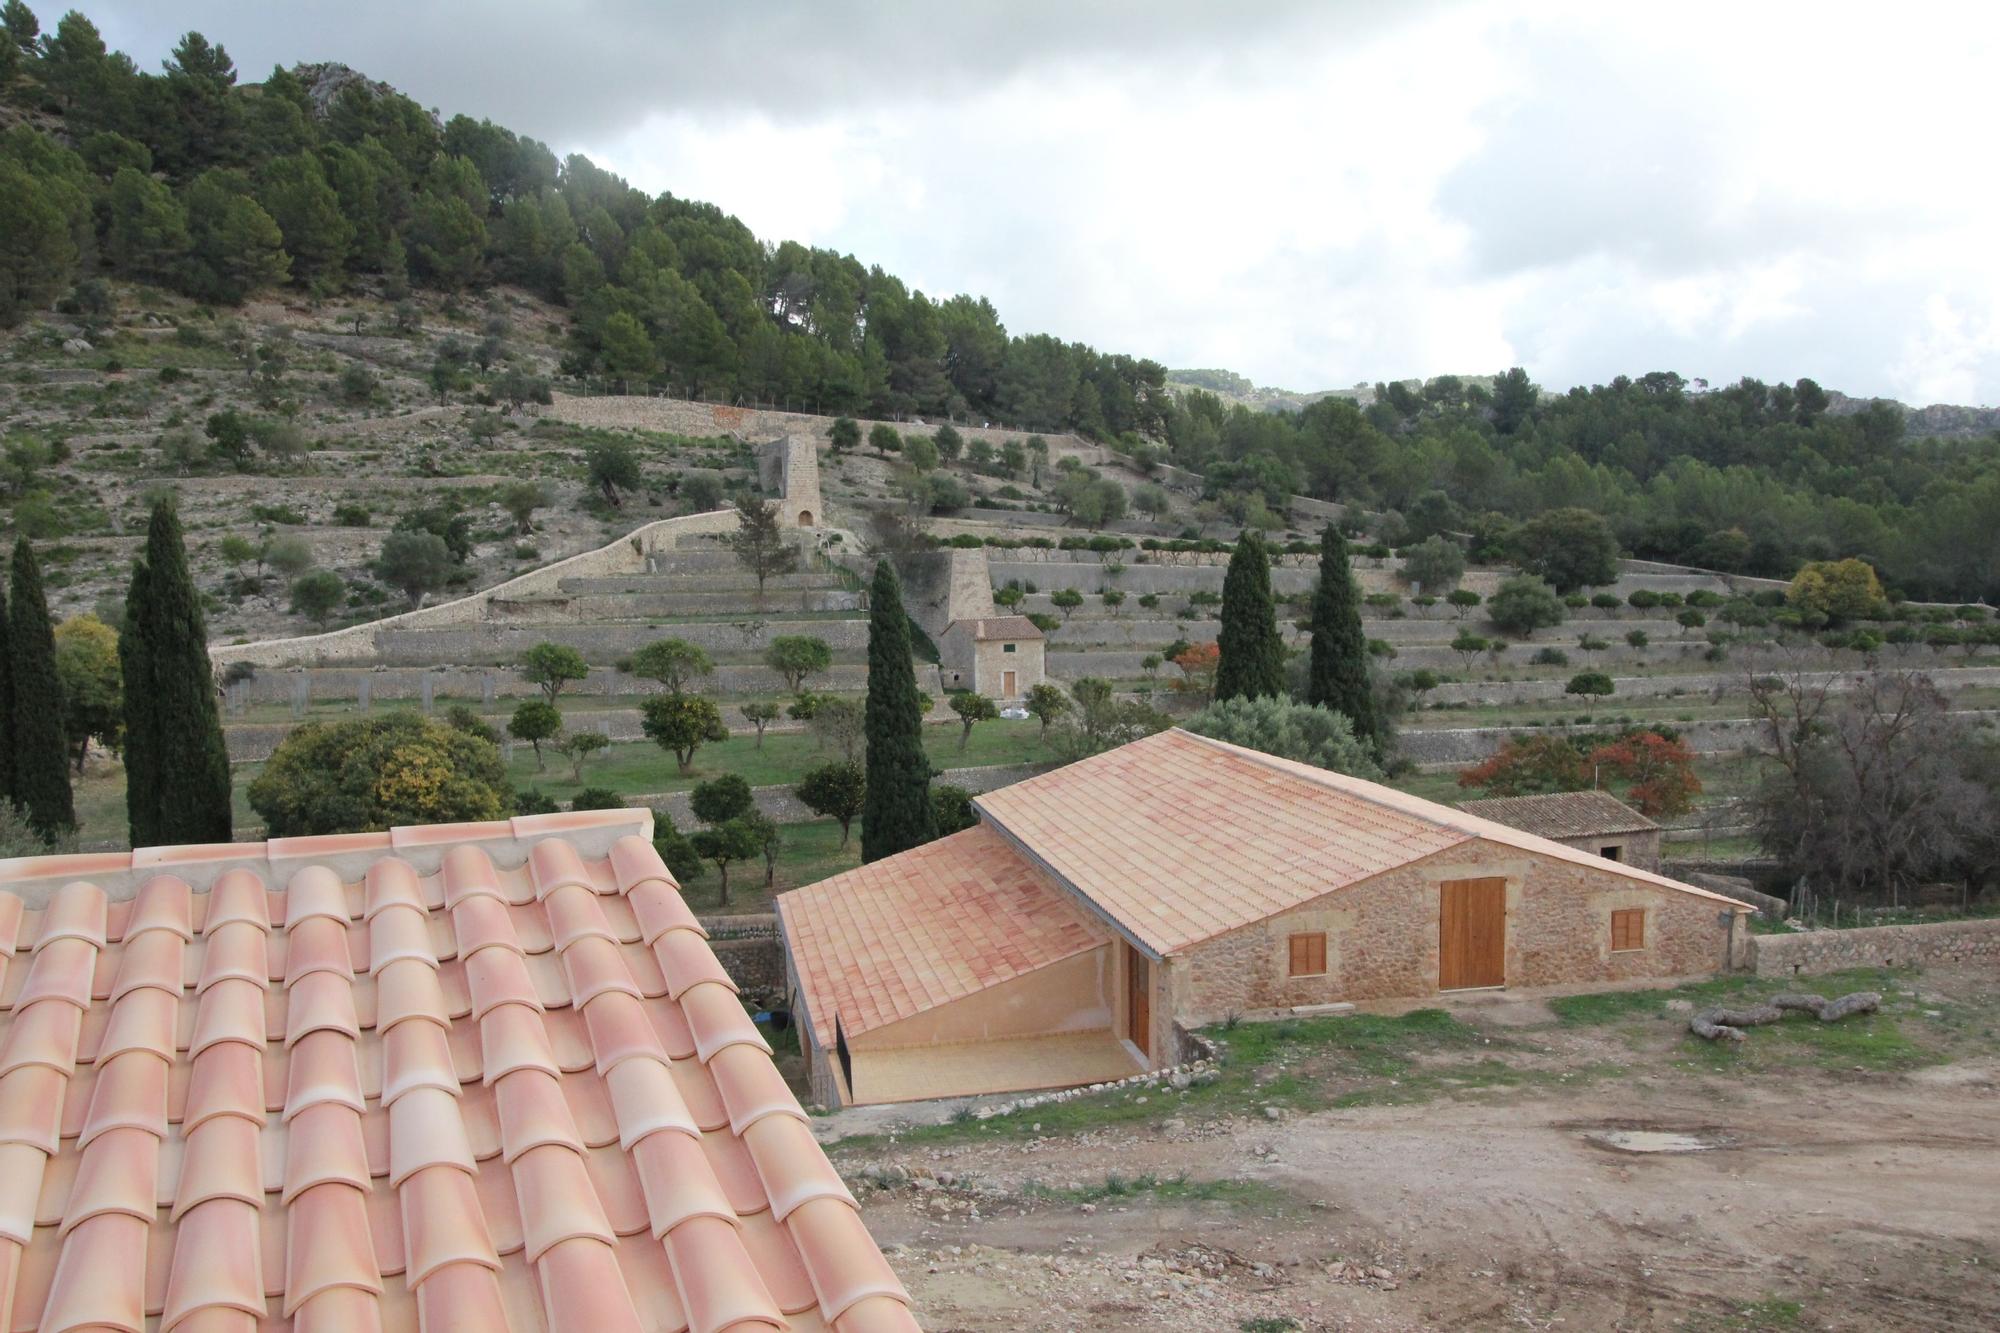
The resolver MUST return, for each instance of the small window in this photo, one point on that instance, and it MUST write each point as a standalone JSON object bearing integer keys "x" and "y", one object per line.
{"x": 1628, "y": 929}
{"x": 1007, "y": 647}
{"x": 1610, "y": 852}
{"x": 1309, "y": 954}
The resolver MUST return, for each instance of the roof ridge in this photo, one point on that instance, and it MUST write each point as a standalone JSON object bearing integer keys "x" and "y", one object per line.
{"x": 120, "y": 873}
{"x": 1304, "y": 772}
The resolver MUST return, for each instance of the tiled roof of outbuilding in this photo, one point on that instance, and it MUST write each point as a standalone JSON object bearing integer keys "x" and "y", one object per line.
{"x": 1003, "y": 627}
{"x": 1179, "y": 838}
{"x": 1563, "y": 814}
{"x": 476, "y": 1076}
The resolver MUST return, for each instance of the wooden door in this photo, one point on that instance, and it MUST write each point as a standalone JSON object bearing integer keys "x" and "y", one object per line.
{"x": 1472, "y": 934}
{"x": 1006, "y": 685}
{"x": 1138, "y": 1001}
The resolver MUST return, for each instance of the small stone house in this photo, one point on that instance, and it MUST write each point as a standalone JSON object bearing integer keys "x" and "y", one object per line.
{"x": 1098, "y": 912}
{"x": 1590, "y": 821}
{"x": 998, "y": 656}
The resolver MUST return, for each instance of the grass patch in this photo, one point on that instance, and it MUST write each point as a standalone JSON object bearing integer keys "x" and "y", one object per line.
{"x": 1773, "y": 1312}
{"x": 1894, "y": 1039}
{"x": 1305, "y": 1064}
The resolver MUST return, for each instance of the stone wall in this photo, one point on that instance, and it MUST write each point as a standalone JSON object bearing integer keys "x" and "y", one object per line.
{"x": 1468, "y": 745}
{"x": 1813, "y": 951}
{"x": 599, "y": 643}
{"x": 756, "y": 963}
{"x": 358, "y": 643}
{"x": 680, "y": 417}
{"x": 1382, "y": 936}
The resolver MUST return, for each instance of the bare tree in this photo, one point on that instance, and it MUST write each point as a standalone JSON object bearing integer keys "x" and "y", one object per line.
{"x": 1881, "y": 786}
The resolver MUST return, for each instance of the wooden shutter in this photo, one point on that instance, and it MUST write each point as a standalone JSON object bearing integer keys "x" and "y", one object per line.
{"x": 1308, "y": 954}
{"x": 1628, "y": 929}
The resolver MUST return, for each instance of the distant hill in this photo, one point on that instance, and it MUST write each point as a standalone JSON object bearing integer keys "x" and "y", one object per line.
{"x": 1939, "y": 420}
{"x": 1233, "y": 388}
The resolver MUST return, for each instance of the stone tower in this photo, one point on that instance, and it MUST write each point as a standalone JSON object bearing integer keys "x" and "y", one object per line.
{"x": 790, "y": 466}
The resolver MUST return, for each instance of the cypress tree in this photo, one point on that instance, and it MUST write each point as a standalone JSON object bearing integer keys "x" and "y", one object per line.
{"x": 135, "y": 667}
{"x": 1253, "y": 656}
{"x": 897, "y": 813}
{"x": 6, "y": 705}
{"x": 186, "y": 723}
{"x": 41, "y": 751}
{"x": 1339, "y": 675}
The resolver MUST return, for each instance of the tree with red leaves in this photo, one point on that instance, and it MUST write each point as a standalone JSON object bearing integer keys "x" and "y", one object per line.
{"x": 1528, "y": 766}
{"x": 1661, "y": 772}
{"x": 1198, "y": 665}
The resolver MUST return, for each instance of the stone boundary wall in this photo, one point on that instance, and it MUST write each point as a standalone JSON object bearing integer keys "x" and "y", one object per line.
{"x": 1815, "y": 951}
{"x": 755, "y": 963}
{"x": 357, "y": 643}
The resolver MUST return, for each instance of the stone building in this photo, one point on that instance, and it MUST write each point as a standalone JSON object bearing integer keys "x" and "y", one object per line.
{"x": 998, "y": 656}
{"x": 1098, "y": 912}
{"x": 1590, "y": 821}
{"x": 790, "y": 467}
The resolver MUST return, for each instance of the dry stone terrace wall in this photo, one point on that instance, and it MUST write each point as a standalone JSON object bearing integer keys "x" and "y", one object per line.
{"x": 678, "y": 416}
{"x": 500, "y": 644}
{"x": 1690, "y": 686}
{"x": 1814, "y": 951}
{"x": 406, "y": 685}
{"x": 359, "y": 643}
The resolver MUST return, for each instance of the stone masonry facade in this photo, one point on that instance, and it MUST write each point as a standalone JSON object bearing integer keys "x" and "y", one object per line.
{"x": 1382, "y": 937}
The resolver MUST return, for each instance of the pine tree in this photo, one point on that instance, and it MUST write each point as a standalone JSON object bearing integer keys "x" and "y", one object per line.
{"x": 6, "y": 706}
{"x": 1339, "y": 675}
{"x": 142, "y": 746}
{"x": 897, "y": 814}
{"x": 186, "y": 723}
{"x": 1253, "y": 656}
{"x": 41, "y": 751}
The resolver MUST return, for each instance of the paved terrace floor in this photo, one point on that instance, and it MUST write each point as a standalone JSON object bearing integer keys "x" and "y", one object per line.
{"x": 1013, "y": 1064}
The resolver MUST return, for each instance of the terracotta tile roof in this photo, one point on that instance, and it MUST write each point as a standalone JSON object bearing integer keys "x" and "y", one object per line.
{"x": 1003, "y": 627}
{"x": 1563, "y": 814}
{"x": 1179, "y": 838}
{"x": 467, "y": 1077}
{"x": 915, "y": 931}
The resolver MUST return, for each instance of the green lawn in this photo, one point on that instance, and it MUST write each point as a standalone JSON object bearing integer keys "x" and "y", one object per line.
{"x": 1904, "y": 1035}
{"x": 811, "y": 852}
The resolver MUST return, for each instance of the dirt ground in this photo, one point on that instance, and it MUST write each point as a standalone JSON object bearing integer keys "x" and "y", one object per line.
{"x": 1803, "y": 1194}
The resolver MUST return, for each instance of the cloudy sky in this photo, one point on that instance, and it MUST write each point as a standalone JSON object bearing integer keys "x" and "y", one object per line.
{"x": 1312, "y": 194}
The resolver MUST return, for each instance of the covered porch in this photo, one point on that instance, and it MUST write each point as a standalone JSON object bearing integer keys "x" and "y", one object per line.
{"x": 989, "y": 1065}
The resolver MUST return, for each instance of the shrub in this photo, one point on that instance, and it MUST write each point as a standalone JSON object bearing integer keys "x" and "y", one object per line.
{"x": 376, "y": 773}
{"x": 1523, "y": 605}
{"x": 597, "y": 798}
{"x": 1589, "y": 683}
{"x": 1303, "y": 732}
{"x": 1549, "y": 657}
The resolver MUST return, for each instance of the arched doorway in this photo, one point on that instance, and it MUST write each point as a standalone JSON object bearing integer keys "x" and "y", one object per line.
{"x": 805, "y": 518}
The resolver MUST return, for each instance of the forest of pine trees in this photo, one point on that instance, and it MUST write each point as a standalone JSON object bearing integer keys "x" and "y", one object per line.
{"x": 195, "y": 181}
